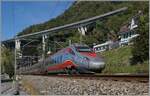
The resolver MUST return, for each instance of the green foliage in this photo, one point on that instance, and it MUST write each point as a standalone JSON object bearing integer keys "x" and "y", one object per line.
{"x": 7, "y": 61}
{"x": 86, "y": 9}
{"x": 140, "y": 49}
{"x": 118, "y": 61}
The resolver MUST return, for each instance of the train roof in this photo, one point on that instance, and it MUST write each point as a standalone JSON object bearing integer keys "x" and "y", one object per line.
{"x": 72, "y": 45}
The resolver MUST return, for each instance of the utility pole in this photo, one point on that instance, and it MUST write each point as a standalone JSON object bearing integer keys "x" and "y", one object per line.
{"x": 69, "y": 42}
{"x": 44, "y": 37}
{"x": 18, "y": 54}
{"x": 17, "y": 50}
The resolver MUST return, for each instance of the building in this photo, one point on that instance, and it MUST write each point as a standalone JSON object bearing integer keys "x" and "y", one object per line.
{"x": 126, "y": 34}
{"x": 101, "y": 47}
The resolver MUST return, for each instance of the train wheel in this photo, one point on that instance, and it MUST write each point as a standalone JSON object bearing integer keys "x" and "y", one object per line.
{"x": 74, "y": 71}
{"x": 67, "y": 71}
{"x": 46, "y": 72}
{"x": 71, "y": 71}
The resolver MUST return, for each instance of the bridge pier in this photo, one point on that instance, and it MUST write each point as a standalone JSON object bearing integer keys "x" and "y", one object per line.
{"x": 82, "y": 30}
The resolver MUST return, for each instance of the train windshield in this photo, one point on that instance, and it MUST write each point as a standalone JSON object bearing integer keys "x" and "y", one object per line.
{"x": 83, "y": 49}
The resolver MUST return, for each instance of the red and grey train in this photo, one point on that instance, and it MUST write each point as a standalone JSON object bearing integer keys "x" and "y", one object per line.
{"x": 74, "y": 59}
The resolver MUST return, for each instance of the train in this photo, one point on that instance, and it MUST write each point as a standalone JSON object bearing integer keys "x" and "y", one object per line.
{"x": 74, "y": 59}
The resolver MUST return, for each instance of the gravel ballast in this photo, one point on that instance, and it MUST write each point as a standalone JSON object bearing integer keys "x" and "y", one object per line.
{"x": 69, "y": 86}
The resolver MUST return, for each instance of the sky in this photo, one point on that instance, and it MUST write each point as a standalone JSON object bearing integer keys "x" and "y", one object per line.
{"x": 18, "y": 15}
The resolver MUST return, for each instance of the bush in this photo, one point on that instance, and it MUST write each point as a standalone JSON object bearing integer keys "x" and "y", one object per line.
{"x": 7, "y": 61}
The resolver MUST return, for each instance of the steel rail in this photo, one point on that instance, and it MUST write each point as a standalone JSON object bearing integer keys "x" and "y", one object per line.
{"x": 104, "y": 75}
{"x": 143, "y": 78}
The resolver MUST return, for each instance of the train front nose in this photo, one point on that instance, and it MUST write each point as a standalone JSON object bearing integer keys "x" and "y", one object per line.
{"x": 96, "y": 65}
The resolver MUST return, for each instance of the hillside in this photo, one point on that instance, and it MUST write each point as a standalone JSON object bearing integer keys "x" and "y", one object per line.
{"x": 85, "y": 9}
{"x": 118, "y": 61}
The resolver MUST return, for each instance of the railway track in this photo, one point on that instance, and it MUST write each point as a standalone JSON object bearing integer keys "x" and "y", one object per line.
{"x": 118, "y": 84}
{"x": 118, "y": 77}
{"x": 143, "y": 78}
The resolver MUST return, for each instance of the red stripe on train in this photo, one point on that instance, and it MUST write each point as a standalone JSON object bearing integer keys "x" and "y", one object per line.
{"x": 90, "y": 54}
{"x": 61, "y": 66}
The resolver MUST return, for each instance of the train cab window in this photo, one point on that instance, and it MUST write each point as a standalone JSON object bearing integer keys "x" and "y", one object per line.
{"x": 83, "y": 49}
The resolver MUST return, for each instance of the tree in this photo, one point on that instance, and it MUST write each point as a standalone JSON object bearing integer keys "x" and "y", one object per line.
{"x": 140, "y": 48}
{"x": 7, "y": 61}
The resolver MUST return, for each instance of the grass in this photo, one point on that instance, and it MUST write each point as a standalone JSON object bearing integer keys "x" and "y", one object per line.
{"x": 117, "y": 61}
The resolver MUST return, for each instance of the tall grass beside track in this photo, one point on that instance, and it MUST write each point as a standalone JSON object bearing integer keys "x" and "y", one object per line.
{"x": 118, "y": 61}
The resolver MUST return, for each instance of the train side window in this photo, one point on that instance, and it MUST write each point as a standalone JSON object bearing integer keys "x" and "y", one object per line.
{"x": 55, "y": 60}
{"x": 58, "y": 59}
{"x": 61, "y": 59}
{"x": 71, "y": 52}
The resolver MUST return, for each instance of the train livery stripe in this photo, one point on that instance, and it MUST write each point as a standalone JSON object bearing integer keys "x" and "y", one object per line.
{"x": 67, "y": 63}
{"x": 90, "y": 54}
